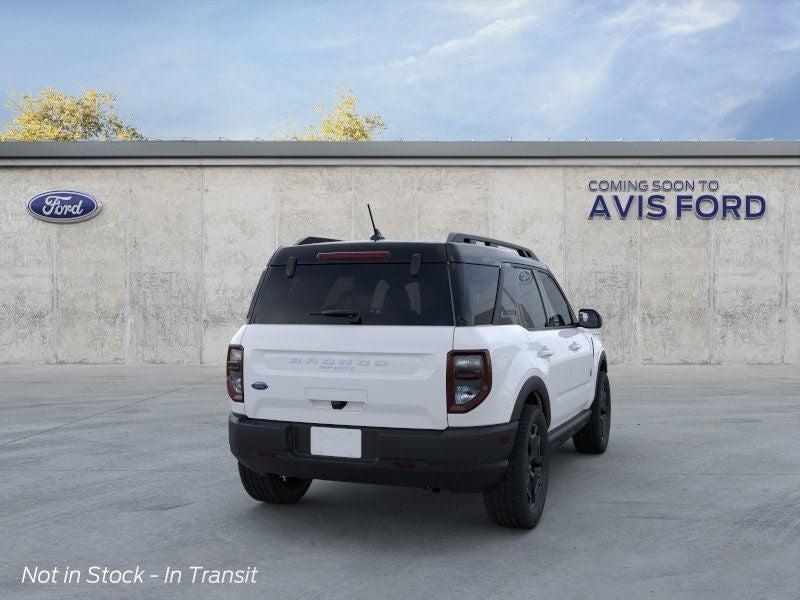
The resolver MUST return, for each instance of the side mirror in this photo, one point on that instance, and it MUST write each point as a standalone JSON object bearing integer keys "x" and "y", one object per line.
{"x": 590, "y": 319}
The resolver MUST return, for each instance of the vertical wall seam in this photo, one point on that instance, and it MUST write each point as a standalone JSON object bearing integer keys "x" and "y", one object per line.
{"x": 785, "y": 269}
{"x": 54, "y": 243}
{"x": 55, "y": 293}
{"x": 127, "y": 306}
{"x": 352, "y": 203}
{"x": 712, "y": 301}
{"x": 638, "y": 317}
{"x": 416, "y": 203}
{"x": 277, "y": 189}
{"x": 201, "y": 294}
{"x": 490, "y": 202}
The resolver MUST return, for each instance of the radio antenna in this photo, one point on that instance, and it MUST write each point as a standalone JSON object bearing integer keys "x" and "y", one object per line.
{"x": 377, "y": 235}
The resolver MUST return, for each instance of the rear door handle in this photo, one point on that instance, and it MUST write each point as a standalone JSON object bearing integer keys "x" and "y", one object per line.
{"x": 545, "y": 352}
{"x": 574, "y": 346}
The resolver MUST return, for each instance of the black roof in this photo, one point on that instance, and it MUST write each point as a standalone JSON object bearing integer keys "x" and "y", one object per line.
{"x": 402, "y": 252}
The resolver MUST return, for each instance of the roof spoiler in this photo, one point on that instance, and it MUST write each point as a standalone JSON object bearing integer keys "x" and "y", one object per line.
{"x": 314, "y": 240}
{"x": 466, "y": 238}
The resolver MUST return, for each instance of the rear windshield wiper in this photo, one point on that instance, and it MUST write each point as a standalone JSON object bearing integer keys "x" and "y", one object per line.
{"x": 345, "y": 313}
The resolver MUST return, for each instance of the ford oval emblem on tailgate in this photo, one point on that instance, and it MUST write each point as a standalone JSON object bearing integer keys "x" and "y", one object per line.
{"x": 63, "y": 206}
{"x": 259, "y": 385}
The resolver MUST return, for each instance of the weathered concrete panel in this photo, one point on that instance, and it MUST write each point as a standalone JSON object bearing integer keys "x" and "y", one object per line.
{"x": 164, "y": 258}
{"x": 391, "y": 193}
{"x": 527, "y": 207}
{"x": 791, "y": 317}
{"x": 27, "y": 322}
{"x": 91, "y": 270}
{"x": 749, "y": 263}
{"x": 791, "y": 351}
{"x": 166, "y": 271}
{"x": 675, "y": 273}
{"x": 602, "y": 258}
{"x": 239, "y": 235}
{"x": 314, "y": 201}
{"x": 676, "y": 281}
{"x": 452, "y": 199}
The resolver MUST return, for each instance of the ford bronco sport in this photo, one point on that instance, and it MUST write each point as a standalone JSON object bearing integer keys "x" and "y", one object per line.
{"x": 455, "y": 365}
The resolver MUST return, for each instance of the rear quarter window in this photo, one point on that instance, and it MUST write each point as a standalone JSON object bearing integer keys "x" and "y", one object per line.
{"x": 474, "y": 293}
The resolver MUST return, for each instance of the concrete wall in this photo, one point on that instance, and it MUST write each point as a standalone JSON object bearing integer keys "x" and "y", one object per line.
{"x": 164, "y": 274}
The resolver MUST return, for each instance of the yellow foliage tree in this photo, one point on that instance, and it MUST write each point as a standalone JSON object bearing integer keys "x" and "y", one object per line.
{"x": 341, "y": 123}
{"x": 59, "y": 116}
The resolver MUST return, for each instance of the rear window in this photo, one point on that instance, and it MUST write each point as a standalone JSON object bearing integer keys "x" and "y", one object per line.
{"x": 383, "y": 294}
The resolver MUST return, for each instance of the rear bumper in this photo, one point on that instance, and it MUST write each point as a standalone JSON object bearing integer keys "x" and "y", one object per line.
{"x": 468, "y": 459}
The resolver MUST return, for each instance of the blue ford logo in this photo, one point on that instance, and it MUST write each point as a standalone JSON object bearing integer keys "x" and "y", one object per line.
{"x": 63, "y": 206}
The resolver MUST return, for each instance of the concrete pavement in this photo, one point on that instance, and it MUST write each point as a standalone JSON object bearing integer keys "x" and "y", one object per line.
{"x": 698, "y": 496}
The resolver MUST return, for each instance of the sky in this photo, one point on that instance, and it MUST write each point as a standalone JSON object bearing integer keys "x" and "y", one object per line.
{"x": 433, "y": 70}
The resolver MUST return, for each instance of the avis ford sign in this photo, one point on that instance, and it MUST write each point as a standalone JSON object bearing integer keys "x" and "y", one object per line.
{"x": 670, "y": 198}
{"x": 63, "y": 206}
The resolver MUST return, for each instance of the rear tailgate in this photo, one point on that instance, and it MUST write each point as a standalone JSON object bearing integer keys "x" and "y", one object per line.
{"x": 371, "y": 376}
{"x": 357, "y": 337}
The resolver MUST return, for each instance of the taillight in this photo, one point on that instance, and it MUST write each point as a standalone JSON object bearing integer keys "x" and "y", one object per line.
{"x": 469, "y": 379}
{"x": 355, "y": 256}
{"x": 235, "y": 373}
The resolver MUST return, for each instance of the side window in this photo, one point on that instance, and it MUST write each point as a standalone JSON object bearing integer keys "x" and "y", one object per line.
{"x": 530, "y": 300}
{"x": 507, "y": 302}
{"x": 562, "y": 314}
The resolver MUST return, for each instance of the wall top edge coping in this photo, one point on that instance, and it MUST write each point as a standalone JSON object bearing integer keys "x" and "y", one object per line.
{"x": 78, "y": 163}
{"x": 378, "y": 152}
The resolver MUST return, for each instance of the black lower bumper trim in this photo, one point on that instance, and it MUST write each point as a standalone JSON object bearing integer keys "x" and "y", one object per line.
{"x": 468, "y": 459}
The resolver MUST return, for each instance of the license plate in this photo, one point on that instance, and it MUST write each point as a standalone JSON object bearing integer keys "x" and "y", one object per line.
{"x": 336, "y": 441}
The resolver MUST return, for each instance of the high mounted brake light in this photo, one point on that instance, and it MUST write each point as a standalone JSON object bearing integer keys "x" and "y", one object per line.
{"x": 234, "y": 373}
{"x": 469, "y": 379}
{"x": 355, "y": 256}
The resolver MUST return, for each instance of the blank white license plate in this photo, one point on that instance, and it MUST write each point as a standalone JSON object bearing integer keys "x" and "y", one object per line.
{"x": 335, "y": 441}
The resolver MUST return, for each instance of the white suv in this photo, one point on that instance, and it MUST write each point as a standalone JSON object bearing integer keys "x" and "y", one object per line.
{"x": 455, "y": 365}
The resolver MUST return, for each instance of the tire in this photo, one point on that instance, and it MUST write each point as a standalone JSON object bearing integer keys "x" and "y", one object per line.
{"x": 517, "y": 501}
{"x": 593, "y": 438}
{"x": 274, "y": 489}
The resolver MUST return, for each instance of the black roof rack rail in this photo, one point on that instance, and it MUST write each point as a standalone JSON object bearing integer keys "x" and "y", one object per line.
{"x": 312, "y": 239}
{"x": 466, "y": 238}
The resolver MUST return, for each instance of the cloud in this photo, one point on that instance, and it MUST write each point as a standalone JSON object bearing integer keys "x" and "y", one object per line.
{"x": 570, "y": 62}
{"x": 488, "y": 9}
{"x": 649, "y": 70}
{"x": 694, "y": 84}
{"x": 697, "y": 16}
{"x": 479, "y": 50}
{"x": 334, "y": 43}
{"x": 564, "y": 90}
{"x": 788, "y": 45}
{"x": 676, "y": 18}
{"x": 602, "y": 69}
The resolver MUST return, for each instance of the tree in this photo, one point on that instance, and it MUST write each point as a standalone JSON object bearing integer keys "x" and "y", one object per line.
{"x": 341, "y": 123}
{"x": 59, "y": 116}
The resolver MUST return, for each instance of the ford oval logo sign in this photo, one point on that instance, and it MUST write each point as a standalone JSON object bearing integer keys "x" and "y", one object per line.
{"x": 63, "y": 206}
